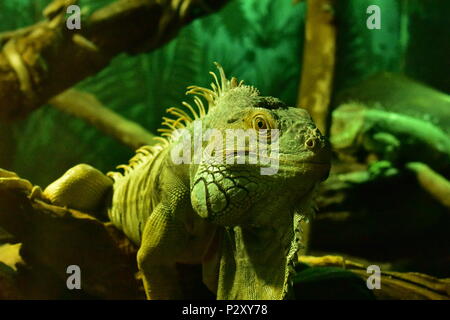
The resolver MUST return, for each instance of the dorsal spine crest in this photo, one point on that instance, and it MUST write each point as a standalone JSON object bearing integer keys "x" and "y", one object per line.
{"x": 182, "y": 118}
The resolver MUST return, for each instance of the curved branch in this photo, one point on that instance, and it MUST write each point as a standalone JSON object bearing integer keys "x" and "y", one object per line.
{"x": 41, "y": 61}
{"x": 57, "y": 237}
{"x": 318, "y": 61}
{"x": 86, "y": 106}
{"x": 394, "y": 285}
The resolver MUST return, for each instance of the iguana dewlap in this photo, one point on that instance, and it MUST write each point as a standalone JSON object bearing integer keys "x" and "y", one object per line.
{"x": 242, "y": 225}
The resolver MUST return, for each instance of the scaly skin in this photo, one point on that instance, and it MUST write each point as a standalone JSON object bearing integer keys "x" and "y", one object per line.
{"x": 242, "y": 226}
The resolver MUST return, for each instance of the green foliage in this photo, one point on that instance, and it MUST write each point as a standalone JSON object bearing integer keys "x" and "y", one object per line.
{"x": 363, "y": 52}
{"x": 259, "y": 41}
{"x": 91, "y": 5}
{"x": 264, "y": 54}
{"x": 228, "y": 17}
{"x": 427, "y": 57}
{"x": 21, "y": 10}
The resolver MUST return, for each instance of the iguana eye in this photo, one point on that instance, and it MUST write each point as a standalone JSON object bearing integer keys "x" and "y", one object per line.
{"x": 259, "y": 123}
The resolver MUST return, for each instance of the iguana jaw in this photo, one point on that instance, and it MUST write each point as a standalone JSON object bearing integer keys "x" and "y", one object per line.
{"x": 288, "y": 159}
{"x": 300, "y": 168}
{"x": 288, "y": 162}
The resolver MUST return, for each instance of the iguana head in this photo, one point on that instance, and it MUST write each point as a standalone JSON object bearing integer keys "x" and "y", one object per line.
{"x": 258, "y": 188}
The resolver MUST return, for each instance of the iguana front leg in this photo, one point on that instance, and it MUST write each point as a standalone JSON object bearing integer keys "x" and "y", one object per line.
{"x": 162, "y": 243}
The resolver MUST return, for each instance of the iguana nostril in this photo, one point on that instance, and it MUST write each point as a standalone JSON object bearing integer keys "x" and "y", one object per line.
{"x": 310, "y": 143}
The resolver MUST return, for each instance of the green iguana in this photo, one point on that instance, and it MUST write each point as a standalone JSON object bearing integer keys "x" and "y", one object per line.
{"x": 240, "y": 224}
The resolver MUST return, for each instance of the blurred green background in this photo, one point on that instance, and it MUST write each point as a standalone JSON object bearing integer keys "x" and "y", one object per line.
{"x": 259, "y": 41}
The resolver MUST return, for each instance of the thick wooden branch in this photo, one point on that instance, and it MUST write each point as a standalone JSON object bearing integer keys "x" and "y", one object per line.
{"x": 318, "y": 61}
{"x": 56, "y": 238}
{"x": 47, "y": 59}
{"x": 53, "y": 238}
{"x": 394, "y": 285}
{"x": 86, "y": 106}
{"x": 432, "y": 182}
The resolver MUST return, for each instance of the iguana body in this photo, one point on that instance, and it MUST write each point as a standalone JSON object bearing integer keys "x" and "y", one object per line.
{"x": 242, "y": 226}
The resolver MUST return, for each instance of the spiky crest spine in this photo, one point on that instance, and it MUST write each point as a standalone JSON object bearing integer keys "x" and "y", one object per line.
{"x": 182, "y": 118}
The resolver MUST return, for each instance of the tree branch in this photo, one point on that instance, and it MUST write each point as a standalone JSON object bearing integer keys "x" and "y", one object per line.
{"x": 394, "y": 285}
{"x": 86, "y": 106}
{"x": 47, "y": 58}
{"x": 56, "y": 237}
{"x": 318, "y": 61}
{"x": 432, "y": 182}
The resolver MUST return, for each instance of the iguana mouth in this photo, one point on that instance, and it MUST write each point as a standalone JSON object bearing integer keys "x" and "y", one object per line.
{"x": 283, "y": 158}
{"x": 297, "y": 162}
